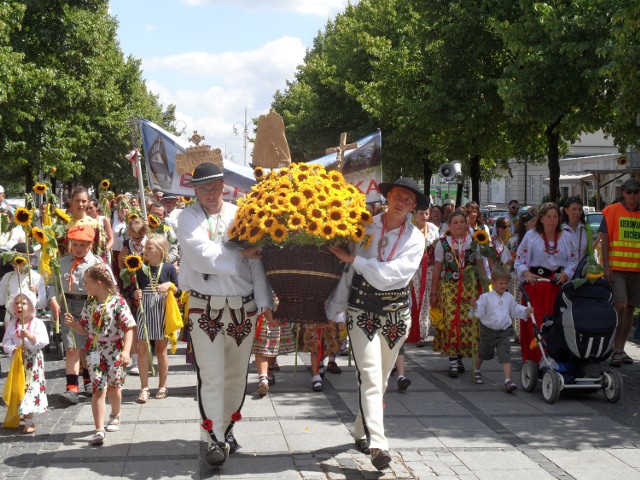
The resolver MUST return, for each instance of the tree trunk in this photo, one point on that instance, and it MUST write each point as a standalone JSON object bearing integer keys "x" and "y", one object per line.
{"x": 474, "y": 172}
{"x": 427, "y": 173}
{"x": 553, "y": 155}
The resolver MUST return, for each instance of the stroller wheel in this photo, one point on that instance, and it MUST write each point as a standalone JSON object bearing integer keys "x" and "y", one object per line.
{"x": 612, "y": 384}
{"x": 529, "y": 376}
{"x": 551, "y": 386}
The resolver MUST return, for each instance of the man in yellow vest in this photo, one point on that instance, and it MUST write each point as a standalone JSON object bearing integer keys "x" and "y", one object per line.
{"x": 621, "y": 258}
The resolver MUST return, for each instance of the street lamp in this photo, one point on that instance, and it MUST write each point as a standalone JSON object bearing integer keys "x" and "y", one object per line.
{"x": 245, "y": 133}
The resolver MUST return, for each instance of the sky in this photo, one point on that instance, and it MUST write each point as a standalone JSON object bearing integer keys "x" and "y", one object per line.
{"x": 213, "y": 59}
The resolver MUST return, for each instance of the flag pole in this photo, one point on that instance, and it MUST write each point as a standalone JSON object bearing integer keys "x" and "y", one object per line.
{"x": 134, "y": 156}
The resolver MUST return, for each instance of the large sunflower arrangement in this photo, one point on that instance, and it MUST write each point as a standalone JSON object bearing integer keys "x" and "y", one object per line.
{"x": 300, "y": 205}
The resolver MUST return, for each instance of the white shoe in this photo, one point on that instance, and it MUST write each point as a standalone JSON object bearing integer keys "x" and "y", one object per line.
{"x": 134, "y": 370}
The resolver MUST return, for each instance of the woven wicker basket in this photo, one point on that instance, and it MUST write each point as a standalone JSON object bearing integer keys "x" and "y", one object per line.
{"x": 302, "y": 278}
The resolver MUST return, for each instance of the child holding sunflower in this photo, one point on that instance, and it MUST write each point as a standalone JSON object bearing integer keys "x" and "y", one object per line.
{"x": 151, "y": 290}
{"x": 30, "y": 332}
{"x": 108, "y": 324}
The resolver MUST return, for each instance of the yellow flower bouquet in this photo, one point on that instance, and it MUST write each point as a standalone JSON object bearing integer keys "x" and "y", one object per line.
{"x": 295, "y": 213}
{"x": 300, "y": 205}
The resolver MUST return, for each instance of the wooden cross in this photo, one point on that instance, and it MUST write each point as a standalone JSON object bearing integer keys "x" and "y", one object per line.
{"x": 340, "y": 149}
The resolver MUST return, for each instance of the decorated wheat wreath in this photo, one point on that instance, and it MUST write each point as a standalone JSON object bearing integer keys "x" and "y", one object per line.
{"x": 301, "y": 205}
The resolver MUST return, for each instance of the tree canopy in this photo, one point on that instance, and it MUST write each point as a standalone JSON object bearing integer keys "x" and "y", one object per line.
{"x": 482, "y": 82}
{"x": 67, "y": 94}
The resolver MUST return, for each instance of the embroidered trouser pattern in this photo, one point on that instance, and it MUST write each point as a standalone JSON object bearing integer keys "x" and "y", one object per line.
{"x": 222, "y": 336}
{"x": 375, "y": 342}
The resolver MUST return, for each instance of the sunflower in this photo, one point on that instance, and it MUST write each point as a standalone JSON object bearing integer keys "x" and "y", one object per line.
{"x": 365, "y": 217}
{"x": 313, "y": 227}
{"x": 53, "y": 170}
{"x": 279, "y": 234}
{"x": 19, "y": 261}
{"x": 187, "y": 200}
{"x": 40, "y": 188}
{"x": 23, "y": 216}
{"x": 481, "y": 237}
{"x": 297, "y": 221}
{"x": 258, "y": 173}
{"x": 622, "y": 161}
{"x": 327, "y": 231}
{"x": 297, "y": 200}
{"x": 132, "y": 215}
{"x": 105, "y": 184}
{"x": 39, "y": 235}
{"x": 133, "y": 262}
{"x": 335, "y": 214}
{"x": 595, "y": 276}
{"x": 154, "y": 222}
{"x": 255, "y": 233}
{"x": 358, "y": 235}
{"x": 316, "y": 213}
{"x": 62, "y": 215}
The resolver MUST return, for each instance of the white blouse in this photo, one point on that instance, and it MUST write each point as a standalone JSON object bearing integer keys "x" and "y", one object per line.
{"x": 531, "y": 253}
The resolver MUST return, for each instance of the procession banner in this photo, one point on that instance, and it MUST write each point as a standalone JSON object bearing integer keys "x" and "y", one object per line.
{"x": 362, "y": 166}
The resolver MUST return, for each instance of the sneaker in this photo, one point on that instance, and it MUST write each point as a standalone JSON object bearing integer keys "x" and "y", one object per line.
{"x": 626, "y": 359}
{"x": 453, "y": 371}
{"x": 98, "y": 438}
{"x": 332, "y": 367}
{"x": 461, "y": 368}
{"x": 403, "y": 384}
{"x": 317, "y": 386}
{"x": 510, "y": 386}
{"x": 217, "y": 454}
{"x": 380, "y": 458}
{"x": 68, "y": 398}
{"x": 233, "y": 443}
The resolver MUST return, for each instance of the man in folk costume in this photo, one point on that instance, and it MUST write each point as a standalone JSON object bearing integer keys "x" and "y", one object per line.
{"x": 375, "y": 292}
{"x": 72, "y": 268}
{"x": 227, "y": 288}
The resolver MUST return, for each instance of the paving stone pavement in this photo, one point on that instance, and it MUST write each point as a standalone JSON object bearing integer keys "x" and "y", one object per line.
{"x": 439, "y": 428}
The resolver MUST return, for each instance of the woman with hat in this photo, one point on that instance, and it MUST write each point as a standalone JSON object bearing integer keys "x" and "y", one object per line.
{"x": 374, "y": 290}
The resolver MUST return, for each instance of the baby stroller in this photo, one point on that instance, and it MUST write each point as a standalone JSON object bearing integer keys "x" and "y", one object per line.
{"x": 573, "y": 342}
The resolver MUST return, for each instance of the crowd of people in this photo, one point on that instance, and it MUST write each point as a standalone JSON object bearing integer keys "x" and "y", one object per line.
{"x": 427, "y": 272}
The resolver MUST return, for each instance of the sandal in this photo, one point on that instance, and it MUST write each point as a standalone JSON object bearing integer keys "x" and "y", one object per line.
{"x": 626, "y": 359}
{"x": 263, "y": 386}
{"x": 317, "y": 386}
{"x": 98, "y": 438}
{"x": 616, "y": 360}
{"x": 29, "y": 428}
{"x": 114, "y": 423}
{"x": 162, "y": 393}
{"x": 453, "y": 371}
{"x": 143, "y": 396}
{"x": 477, "y": 377}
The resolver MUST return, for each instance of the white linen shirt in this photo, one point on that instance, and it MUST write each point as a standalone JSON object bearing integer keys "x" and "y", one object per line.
{"x": 229, "y": 274}
{"x": 531, "y": 253}
{"x": 382, "y": 275}
{"x": 496, "y": 311}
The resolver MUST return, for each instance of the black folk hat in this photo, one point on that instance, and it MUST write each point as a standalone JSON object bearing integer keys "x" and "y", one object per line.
{"x": 408, "y": 184}
{"x": 204, "y": 173}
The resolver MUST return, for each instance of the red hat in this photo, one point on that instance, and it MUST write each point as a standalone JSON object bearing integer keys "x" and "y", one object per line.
{"x": 81, "y": 233}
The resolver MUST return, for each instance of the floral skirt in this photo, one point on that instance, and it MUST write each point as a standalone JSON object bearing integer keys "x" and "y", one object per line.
{"x": 460, "y": 334}
{"x": 35, "y": 398}
{"x": 273, "y": 339}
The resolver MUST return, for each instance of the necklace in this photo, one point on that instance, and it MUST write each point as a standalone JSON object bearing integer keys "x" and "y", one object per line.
{"x": 152, "y": 281}
{"x": 383, "y": 241}
{"x": 458, "y": 250}
{"x": 547, "y": 247}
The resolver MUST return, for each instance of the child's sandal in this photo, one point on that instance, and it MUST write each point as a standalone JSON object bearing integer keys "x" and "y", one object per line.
{"x": 29, "y": 428}
{"x": 143, "y": 396}
{"x": 477, "y": 377}
{"x": 114, "y": 423}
